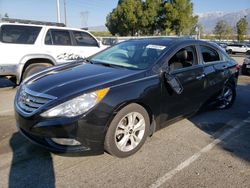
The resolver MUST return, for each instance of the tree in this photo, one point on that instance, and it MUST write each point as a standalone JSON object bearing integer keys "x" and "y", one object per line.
{"x": 151, "y": 17}
{"x": 151, "y": 10}
{"x": 125, "y": 19}
{"x": 222, "y": 29}
{"x": 242, "y": 28}
{"x": 179, "y": 17}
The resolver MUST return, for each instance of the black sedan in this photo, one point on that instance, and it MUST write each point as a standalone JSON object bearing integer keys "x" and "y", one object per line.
{"x": 114, "y": 100}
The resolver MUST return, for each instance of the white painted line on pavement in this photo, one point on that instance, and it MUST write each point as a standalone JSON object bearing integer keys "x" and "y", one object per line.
{"x": 160, "y": 181}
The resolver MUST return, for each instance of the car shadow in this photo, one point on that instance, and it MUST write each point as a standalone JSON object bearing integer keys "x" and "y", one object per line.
{"x": 216, "y": 122}
{"x": 4, "y": 82}
{"x": 31, "y": 166}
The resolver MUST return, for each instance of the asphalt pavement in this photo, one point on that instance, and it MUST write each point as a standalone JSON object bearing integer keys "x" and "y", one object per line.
{"x": 210, "y": 149}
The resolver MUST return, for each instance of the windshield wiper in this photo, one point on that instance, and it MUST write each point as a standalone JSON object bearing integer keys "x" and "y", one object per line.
{"x": 110, "y": 65}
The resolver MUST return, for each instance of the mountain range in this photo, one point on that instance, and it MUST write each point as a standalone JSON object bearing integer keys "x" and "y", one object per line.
{"x": 209, "y": 20}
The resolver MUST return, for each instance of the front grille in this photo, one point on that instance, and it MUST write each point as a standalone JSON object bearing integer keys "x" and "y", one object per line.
{"x": 30, "y": 101}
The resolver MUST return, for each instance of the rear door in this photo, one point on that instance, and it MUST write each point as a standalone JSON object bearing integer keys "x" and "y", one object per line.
{"x": 215, "y": 69}
{"x": 59, "y": 44}
{"x": 184, "y": 66}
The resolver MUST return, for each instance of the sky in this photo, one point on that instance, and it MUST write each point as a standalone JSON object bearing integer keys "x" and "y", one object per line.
{"x": 83, "y": 13}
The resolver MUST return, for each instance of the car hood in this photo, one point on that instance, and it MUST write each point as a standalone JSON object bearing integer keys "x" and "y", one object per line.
{"x": 75, "y": 78}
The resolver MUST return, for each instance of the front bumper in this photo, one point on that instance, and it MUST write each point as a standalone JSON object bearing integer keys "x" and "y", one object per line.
{"x": 40, "y": 131}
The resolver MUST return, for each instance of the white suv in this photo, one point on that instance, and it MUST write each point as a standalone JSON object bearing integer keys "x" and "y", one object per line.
{"x": 237, "y": 48}
{"x": 28, "y": 48}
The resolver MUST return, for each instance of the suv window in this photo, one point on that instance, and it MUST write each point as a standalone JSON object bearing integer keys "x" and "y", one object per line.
{"x": 58, "y": 37}
{"x": 209, "y": 54}
{"x": 19, "y": 34}
{"x": 185, "y": 57}
{"x": 84, "y": 39}
{"x": 235, "y": 45}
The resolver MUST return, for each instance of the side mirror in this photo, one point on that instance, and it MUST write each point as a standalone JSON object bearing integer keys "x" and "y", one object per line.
{"x": 174, "y": 83}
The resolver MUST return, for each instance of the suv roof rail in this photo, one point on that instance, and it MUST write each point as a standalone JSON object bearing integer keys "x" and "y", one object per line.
{"x": 13, "y": 20}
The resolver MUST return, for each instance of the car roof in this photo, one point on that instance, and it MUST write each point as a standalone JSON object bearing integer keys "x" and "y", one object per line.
{"x": 44, "y": 26}
{"x": 168, "y": 40}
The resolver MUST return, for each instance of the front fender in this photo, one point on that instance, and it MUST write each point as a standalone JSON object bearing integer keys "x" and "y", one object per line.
{"x": 145, "y": 92}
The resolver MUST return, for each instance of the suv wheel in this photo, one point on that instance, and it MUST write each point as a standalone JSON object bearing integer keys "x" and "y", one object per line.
{"x": 227, "y": 97}
{"x": 34, "y": 68}
{"x": 127, "y": 131}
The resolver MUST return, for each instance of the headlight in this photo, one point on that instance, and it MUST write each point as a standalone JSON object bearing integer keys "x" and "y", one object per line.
{"x": 78, "y": 105}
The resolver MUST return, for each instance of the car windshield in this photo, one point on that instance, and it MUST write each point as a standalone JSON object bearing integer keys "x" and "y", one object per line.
{"x": 131, "y": 54}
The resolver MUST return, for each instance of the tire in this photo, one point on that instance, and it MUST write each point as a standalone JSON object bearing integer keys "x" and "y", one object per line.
{"x": 34, "y": 68}
{"x": 120, "y": 140}
{"x": 229, "y": 51}
{"x": 227, "y": 97}
{"x": 248, "y": 52}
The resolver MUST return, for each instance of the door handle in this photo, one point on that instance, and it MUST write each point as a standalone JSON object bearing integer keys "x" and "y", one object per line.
{"x": 200, "y": 77}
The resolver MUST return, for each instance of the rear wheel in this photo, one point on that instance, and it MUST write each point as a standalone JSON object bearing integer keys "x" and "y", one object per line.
{"x": 227, "y": 97}
{"x": 127, "y": 131}
{"x": 34, "y": 68}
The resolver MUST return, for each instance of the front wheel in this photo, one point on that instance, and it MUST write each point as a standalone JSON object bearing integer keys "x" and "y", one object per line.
{"x": 127, "y": 131}
{"x": 227, "y": 97}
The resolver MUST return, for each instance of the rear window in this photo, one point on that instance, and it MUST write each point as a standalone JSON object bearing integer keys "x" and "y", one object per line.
{"x": 19, "y": 34}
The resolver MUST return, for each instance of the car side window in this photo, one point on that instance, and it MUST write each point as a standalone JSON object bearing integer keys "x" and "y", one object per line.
{"x": 58, "y": 37}
{"x": 18, "y": 34}
{"x": 185, "y": 57}
{"x": 209, "y": 54}
{"x": 84, "y": 39}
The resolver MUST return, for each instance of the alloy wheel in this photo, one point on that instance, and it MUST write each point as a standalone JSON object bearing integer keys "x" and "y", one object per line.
{"x": 130, "y": 131}
{"x": 226, "y": 97}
